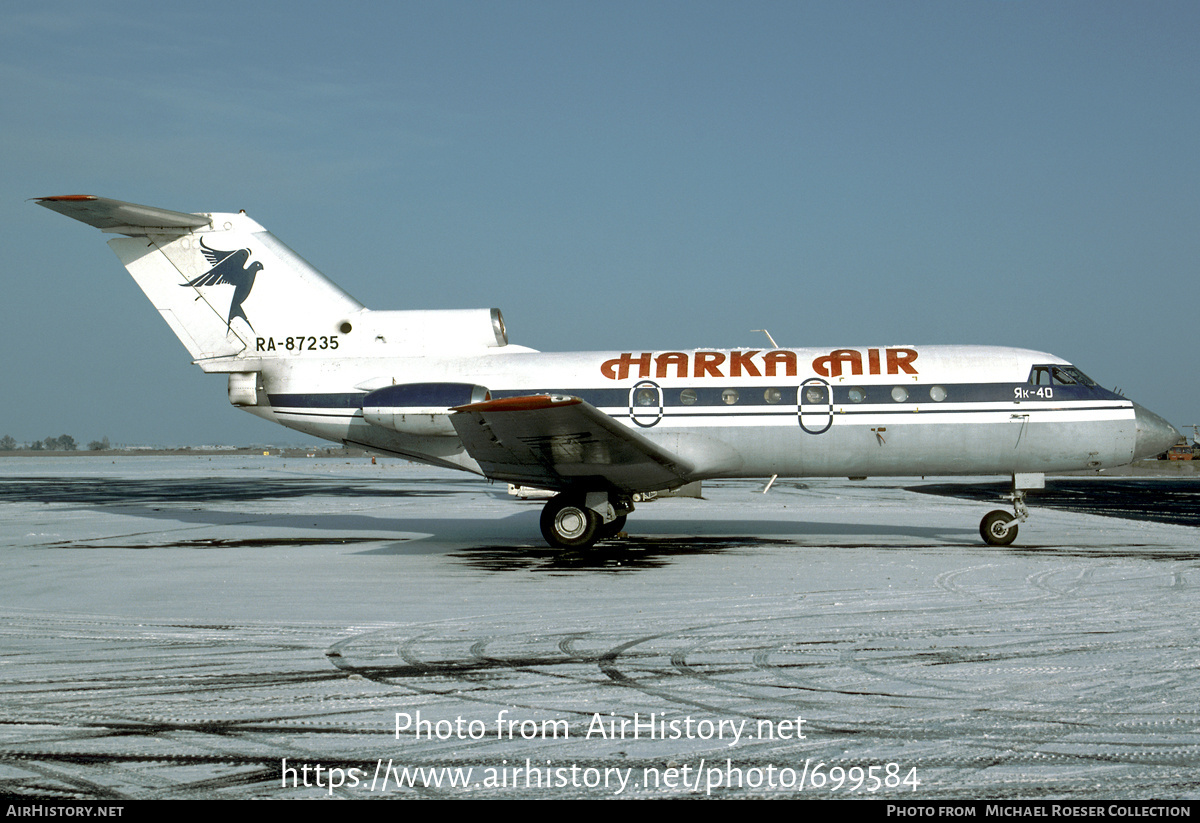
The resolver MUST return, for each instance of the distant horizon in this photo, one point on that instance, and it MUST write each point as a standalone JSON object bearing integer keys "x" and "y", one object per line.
{"x": 114, "y": 447}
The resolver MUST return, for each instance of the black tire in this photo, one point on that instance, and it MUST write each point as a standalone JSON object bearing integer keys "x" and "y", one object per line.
{"x": 611, "y": 528}
{"x": 991, "y": 528}
{"x": 568, "y": 524}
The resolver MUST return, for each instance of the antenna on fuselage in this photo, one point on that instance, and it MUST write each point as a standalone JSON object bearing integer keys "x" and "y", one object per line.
{"x": 769, "y": 337}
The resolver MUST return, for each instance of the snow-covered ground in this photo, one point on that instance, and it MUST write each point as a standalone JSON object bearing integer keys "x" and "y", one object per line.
{"x": 241, "y": 626}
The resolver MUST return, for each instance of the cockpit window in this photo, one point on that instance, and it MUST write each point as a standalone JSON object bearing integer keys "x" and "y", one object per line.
{"x": 1074, "y": 375}
{"x": 1059, "y": 376}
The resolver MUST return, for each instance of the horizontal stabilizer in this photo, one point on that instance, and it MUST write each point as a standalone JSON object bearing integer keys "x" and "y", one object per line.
{"x": 559, "y": 442}
{"x": 121, "y": 217}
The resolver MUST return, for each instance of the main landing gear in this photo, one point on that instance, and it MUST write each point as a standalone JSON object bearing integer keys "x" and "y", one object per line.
{"x": 575, "y": 520}
{"x": 999, "y": 528}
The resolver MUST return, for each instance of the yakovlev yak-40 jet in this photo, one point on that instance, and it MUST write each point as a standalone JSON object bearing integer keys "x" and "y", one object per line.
{"x": 446, "y": 388}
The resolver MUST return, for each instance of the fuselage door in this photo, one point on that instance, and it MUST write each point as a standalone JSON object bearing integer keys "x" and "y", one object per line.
{"x": 646, "y": 403}
{"x": 814, "y": 405}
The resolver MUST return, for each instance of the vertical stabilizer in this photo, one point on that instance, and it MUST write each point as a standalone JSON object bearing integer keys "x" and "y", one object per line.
{"x": 222, "y": 282}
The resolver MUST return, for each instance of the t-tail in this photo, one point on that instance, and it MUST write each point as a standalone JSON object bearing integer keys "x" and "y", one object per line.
{"x": 238, "y": 298}
{"x": 225, "y": 286}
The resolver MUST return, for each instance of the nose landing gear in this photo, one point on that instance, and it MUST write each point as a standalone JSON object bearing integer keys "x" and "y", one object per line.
{"x": 999, "y": 528}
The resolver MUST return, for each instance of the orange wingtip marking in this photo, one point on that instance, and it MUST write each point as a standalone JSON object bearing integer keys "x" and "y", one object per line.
{"x": 527, "y": 403}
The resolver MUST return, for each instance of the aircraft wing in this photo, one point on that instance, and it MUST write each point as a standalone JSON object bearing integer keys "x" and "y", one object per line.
{"x": 559, "y": 442}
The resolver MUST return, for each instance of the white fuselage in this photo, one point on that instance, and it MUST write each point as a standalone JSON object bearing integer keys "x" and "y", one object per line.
{"x": 888, "y": 410}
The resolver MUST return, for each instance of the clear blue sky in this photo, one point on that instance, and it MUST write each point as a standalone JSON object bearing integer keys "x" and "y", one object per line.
{"x": 612, "y": 175}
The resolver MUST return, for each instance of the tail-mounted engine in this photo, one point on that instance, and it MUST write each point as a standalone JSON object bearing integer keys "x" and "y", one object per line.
{"x": 420, "y": 408}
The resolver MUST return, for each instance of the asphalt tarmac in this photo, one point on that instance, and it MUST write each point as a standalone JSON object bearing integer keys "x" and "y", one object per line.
{"x": 254, "y": 627}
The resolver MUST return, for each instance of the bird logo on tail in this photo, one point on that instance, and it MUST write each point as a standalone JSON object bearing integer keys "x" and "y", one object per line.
{"x": 229, "y": 268}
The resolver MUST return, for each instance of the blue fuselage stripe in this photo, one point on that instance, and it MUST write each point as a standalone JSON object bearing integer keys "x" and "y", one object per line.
{"x": 708, "y": 397}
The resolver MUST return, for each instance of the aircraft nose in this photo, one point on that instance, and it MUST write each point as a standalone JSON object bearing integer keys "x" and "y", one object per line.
{"x": 1154, "y": 435}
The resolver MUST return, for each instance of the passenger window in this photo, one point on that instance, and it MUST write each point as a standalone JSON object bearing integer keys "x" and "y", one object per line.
{"x": 856, "y": 395}
{"x": 814, "y": 394}
{"x": 772, "y": 395}
{"x": 899, "y": 394}
{"x": 937, "y": 393}
{"x": 729, "y": 396}
{"x": 647, "y": 397}
{"x": 687, "y": 397}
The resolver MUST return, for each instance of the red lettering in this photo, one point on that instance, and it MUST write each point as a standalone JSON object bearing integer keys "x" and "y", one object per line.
{"x": 618, "y": 369}
{"x": 742, "y": 363}
{"x": 900, "y": 360}
{"x": 739, "y": 360}
{"x": 708, "y": 364}
{"x": 671, "y": 358}
{"x": 831, "y": 364}
{"x": 772, "y": 359}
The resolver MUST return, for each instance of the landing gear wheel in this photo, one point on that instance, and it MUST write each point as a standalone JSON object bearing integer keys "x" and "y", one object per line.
{"x": 568, "y": 524}
{"x": 611, "y": 528}
{"x": 995, "y": 528}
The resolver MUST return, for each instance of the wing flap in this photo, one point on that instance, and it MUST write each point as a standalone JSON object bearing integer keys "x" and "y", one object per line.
{"x": 560, "y": 442}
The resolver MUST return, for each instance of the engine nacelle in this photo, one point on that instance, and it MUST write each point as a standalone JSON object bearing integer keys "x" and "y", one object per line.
{"x": 416, "y": 331}
{"x": 420, "y": 408}
{"x": 243, "y": 388}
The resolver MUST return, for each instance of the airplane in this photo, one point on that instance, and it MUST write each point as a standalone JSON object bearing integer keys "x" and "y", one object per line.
{"x": 445, "y": 387}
